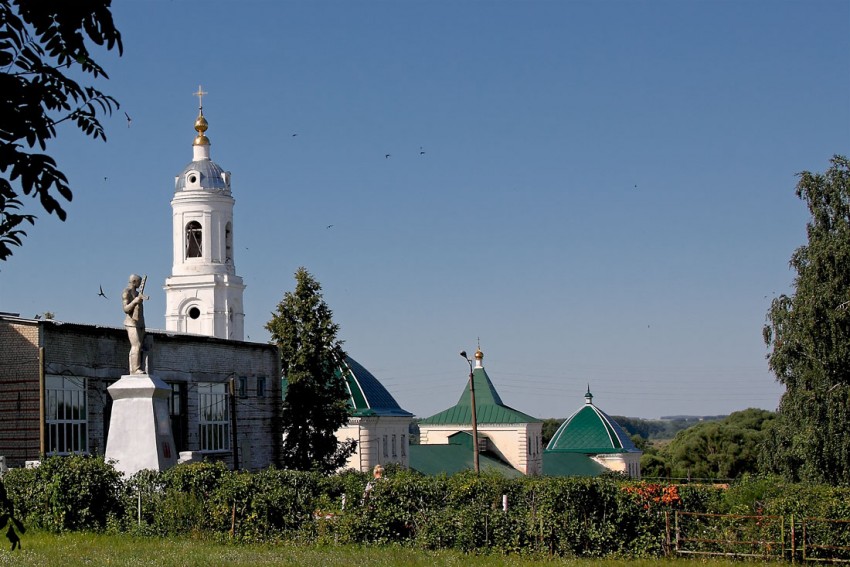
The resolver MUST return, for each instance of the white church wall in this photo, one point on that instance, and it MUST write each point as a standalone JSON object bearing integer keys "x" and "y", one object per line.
{"x": 628, "y": 463}
{"x": 380, "y": 440}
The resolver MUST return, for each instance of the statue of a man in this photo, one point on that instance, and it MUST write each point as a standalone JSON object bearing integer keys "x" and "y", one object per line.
{"x": 134, "y": 322}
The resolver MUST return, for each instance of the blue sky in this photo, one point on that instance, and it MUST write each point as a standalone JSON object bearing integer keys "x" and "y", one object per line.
{"x": 606, "y": 193}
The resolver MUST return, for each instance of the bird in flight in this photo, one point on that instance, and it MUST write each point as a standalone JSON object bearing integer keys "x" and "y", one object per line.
{"x": 101, "y": 294}
{"x": 387, "y": 156}
{"x": 329, "y": 226}
{"x": 128, "y": 119}
{"x": 421, "y": 151}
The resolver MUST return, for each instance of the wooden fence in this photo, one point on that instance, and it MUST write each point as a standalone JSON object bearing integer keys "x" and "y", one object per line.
{"x": 766, "y": 537}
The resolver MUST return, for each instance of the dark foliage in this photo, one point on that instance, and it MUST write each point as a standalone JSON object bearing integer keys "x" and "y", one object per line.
{"x": 316, "y": 401}
{"x": 43, "y": 43}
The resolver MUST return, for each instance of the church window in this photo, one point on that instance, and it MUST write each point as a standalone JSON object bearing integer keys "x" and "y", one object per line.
{"x": 194, "y": 313}
{"x": 261, "y": 386}
{"x": 214, "y": 417}
{"x": 228, "y": 244}
{"x": 403, "y": 445}
{"x": 386, "y": 449}
{"x": 395, "y": 454}
{"x": 67, "y": 415}
{"x": 194, "y": 240}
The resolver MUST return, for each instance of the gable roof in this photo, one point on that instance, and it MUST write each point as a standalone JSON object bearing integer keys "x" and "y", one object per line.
{"x": 591, "y": 431}
{"x": 489, "y": 408}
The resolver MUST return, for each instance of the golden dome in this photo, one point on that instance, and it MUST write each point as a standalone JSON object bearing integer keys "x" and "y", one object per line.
{"x": 478, "y": 354}
{"x": 201, "y": 126}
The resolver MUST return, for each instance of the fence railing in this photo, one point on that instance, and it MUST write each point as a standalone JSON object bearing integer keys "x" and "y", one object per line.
{"x": 766, "y": 537}
{"x": 729, "y": 535}
{"x": 825, "y": 540}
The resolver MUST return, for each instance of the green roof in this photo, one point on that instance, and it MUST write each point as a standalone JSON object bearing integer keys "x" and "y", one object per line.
{"x": 489, "y": 408}
{"x": 570, "y": 464}
{"x": 366, "y": 395}
{"x": 455, "y": 457}
{"x": 590, "y": 431}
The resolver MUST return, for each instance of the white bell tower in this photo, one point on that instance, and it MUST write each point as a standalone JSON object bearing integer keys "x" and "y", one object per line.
{"x": 203, "y": 295}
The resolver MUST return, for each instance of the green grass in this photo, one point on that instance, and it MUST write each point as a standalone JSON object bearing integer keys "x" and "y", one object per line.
{"x": 89, "y": 549}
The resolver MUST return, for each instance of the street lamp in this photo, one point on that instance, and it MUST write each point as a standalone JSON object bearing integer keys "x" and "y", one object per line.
{"x": 474, "y": 420}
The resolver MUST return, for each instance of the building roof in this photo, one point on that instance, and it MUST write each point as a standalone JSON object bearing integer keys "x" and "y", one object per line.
{"x": 366, "y": 395}
{"x": 590, "y": 431}
{"x": 456, "y": 456}
{"x": 489, "y": 408}
{"x": 570, "y": 464}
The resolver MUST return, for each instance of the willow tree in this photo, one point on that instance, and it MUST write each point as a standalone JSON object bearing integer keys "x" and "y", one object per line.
{"x": 315, "y": 403}
{"x": 809, "y": 334}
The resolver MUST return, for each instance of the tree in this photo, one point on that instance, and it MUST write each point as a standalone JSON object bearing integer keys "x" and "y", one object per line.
{"x": 550, "y": 427}
{"x": 722, "y": 449}
{"x": 809, "y": 333}
{"x": 315, "y": 405}
{"x": 43, "y": 43}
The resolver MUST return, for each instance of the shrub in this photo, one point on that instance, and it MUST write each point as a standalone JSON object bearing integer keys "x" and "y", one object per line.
{"x": 67, "y": 493}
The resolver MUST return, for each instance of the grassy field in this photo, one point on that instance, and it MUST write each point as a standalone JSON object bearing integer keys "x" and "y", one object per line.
{"x": 69, "y": 550}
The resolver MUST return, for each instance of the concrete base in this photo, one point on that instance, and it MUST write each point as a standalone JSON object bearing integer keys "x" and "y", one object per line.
{"x": 140, "y": 435}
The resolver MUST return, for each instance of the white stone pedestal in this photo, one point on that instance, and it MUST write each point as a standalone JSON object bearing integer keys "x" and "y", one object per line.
{"x": 140, "y": 427}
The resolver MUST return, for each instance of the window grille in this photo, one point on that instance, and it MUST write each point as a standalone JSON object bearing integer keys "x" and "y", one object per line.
{"x": 67, "y": 415}
{"x": 214, "y": 417}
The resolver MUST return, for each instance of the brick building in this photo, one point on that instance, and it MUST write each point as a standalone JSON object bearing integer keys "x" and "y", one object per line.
{"x": 53, "y": 397}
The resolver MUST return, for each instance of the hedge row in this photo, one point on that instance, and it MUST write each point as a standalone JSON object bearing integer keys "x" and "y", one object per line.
{"x": 602, "y": 516}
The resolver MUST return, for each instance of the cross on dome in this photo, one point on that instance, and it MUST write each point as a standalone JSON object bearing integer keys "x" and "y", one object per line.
{"x": 200, "y": 94}
{"x": 201, "y": 124}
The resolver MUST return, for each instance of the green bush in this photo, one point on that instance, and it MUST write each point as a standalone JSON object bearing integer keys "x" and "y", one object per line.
{"x": 590, "y": 517}
{"x": 66, "y": 493}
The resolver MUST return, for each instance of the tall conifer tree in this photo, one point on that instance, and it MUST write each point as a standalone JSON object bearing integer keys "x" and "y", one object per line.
{"x": 316, "y": 400}
{"x": 809, "y": 333}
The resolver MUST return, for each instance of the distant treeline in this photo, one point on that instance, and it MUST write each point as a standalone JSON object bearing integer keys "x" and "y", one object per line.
{"x": 648, "y": 429}
{"x": 664, "y": 428}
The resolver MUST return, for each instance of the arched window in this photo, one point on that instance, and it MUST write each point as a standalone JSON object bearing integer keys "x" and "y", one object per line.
{"x": 194, "y": 240}
{"x": 228, "y": 244}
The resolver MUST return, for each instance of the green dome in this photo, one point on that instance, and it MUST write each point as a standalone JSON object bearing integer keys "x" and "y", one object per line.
{"x": 590, "y": 430}
{"x": 366, "y": 395}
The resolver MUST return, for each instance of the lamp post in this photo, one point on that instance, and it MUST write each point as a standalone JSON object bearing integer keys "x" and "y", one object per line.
{"x": 474, "y": 420}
